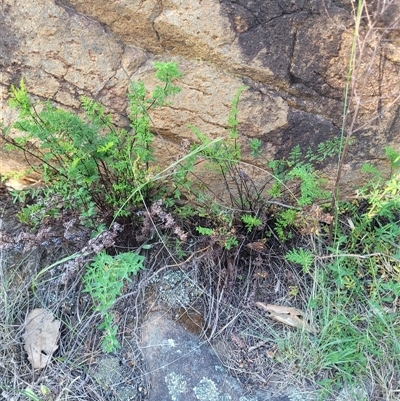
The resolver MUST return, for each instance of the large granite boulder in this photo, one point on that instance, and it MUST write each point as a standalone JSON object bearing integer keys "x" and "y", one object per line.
{"x": 292, "y": 54}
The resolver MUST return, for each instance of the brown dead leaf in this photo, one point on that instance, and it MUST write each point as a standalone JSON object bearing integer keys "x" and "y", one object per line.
{"x": 23, "y": 183}
{"x": 309, "y": 219}
{"x": 315, "y": 212}
{"x": 287, "y": 315}
{"x": 257, "y": 246}
{"x": 40, "y": 337}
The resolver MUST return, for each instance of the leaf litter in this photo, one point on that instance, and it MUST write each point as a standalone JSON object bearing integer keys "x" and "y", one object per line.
{"x": 286, "y": 315}
{"x": 41, "y": 334}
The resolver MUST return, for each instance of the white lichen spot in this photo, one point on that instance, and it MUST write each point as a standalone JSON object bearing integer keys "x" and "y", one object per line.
{"x": 206, "y": 390}
{"x": 177, "y": 288}
{"x": 176, "y": 385}
{"x": 219, "y": 368}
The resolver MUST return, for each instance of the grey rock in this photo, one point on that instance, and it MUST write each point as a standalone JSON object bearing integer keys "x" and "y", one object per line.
{"x": 112, "y": 378}
{"x": 177, "y": 289}
{"x": 182, "y": 368}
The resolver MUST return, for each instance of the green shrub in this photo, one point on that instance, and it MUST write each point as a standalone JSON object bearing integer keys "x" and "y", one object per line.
{"x": 95, "y": 167}
{"x": 100, "y": 171}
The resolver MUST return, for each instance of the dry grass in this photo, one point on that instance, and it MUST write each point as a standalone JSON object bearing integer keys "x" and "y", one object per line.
{"x": 224, "y": 285}
{"x": 71, "y": 375}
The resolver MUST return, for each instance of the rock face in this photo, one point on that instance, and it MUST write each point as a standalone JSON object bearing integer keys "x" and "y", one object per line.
{"x": 292, "y": 54}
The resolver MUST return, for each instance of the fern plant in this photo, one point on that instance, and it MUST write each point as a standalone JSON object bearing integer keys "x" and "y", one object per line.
{"x": 383, "y": 193}
{"x": 298, "y": 181}
{"x": 299, "y": 169}
{"x": 303, "y": 257}
{"x": 88, "y": 162}
{"x": 104, "y": 280}
{"x": 251, "y": 221}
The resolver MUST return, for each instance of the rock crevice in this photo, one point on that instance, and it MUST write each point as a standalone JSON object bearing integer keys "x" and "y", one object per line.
{"x": 295, "y": 51}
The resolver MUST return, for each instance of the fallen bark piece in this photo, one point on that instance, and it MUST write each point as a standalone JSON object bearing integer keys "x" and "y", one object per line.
{"x": 41, "y": 335}
{"x": 287, "y": 315}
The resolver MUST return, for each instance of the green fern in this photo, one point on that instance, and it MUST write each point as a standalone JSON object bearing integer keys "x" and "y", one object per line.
{"x": 303, "y": 257}
{"x": 284, "y": 220}
{"x": 251, "y": 221}
{"x": 104, "y": 280}
{"x": 393, "y": 157}
{"x": 255, "y": 147}
{"x": 310, "y": 184}
{"x": 88, "y": 162}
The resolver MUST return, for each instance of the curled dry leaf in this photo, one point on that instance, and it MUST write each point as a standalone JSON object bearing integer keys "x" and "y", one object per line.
{"x": 40, "y": 337}
{"x": 287, "y": 315}
{"x": 23, "y": 183}
{"x": 257, "y": 246}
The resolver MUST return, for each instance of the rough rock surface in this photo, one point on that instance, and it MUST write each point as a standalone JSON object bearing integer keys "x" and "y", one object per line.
{"x": 183, "y": 369}
{"x": 293, "y": 56}
{"x": 115, "y": 378}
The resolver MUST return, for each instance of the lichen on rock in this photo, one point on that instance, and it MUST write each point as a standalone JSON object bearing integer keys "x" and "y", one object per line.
{"x": 206, "y": 390}
{"x": 176, "y": 384}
